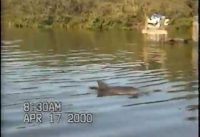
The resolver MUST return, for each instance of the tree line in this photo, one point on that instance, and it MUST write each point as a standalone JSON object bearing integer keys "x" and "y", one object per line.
{"x": 94, "y": 14}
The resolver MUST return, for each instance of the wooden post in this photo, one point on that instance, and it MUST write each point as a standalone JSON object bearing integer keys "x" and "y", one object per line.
{"x": 195, "y": 29}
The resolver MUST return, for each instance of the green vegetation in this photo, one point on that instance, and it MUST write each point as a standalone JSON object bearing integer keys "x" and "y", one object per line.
{"x": 94, "y": 14}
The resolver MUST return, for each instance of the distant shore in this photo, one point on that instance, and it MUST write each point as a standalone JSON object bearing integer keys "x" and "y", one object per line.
{"x": 94, "y": 15}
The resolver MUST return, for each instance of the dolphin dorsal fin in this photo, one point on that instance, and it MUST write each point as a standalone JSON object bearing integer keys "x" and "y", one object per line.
{"x": 102, "y": 85}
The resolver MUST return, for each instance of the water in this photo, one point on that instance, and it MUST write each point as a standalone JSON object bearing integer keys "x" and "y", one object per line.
{"x": 39, "y": 66}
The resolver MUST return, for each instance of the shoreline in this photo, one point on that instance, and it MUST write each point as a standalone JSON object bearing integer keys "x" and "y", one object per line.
{"x": 138, "y": 26}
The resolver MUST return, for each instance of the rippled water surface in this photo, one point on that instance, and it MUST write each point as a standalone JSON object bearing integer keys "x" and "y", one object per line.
{"x": 39, "y": 66}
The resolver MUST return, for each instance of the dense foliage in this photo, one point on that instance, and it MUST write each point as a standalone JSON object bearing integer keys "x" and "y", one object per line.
{"x": 94, "y": 14}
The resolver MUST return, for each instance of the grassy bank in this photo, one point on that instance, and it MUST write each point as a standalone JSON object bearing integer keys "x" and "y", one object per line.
{"x": 94, "y": 14}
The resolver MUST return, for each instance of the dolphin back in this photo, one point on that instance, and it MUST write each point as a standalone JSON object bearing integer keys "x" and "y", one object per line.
{"x": 102, "y": 85}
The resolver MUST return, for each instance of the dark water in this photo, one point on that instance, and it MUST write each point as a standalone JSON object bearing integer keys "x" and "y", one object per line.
{"x": 39, "y": 66}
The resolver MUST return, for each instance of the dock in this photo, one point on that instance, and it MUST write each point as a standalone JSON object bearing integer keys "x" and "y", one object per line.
{"x": 155, "y": 31}
{"x": 155, "y": 34}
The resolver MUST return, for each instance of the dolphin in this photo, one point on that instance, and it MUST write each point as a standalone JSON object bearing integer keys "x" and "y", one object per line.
{"x": 106, "y": 90}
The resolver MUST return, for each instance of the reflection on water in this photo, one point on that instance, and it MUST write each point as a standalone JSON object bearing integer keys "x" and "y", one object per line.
{"x": 58, "y": 65}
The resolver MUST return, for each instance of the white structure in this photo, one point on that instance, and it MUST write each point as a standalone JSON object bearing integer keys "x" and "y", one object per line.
{"x": 154, "y": 29}
{"x": 156, "y": 21}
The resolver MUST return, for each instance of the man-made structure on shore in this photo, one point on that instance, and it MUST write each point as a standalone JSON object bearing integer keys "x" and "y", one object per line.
{"x": 195, "y": 29}
{"x": 154, "y": 28}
